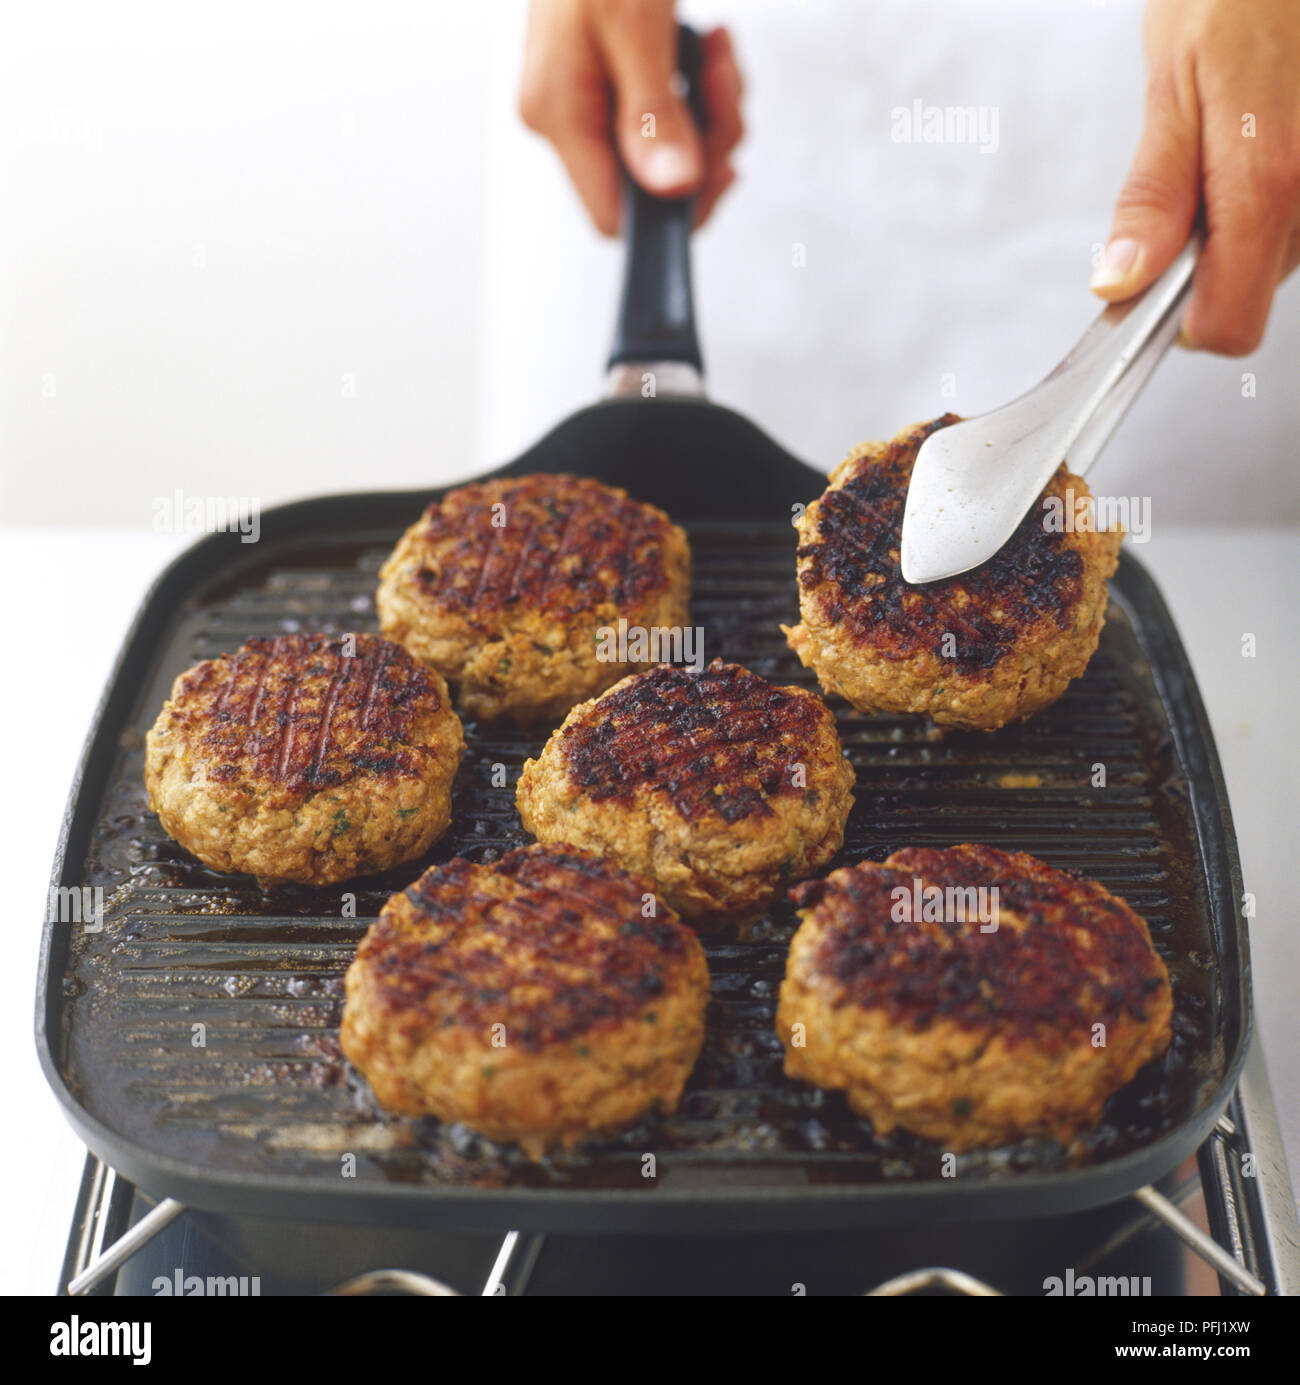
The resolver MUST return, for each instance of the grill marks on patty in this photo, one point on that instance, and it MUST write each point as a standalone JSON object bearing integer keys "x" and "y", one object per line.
{"x": 1066, "y": 953}
{"x": 503, "y": 586}
{"x": 567, "y": 545}
{"x": 548, "y": 941}
{"x": 299, "y": 713}
{"x": 854, "y": 560}
{"x": 720, "y": 741}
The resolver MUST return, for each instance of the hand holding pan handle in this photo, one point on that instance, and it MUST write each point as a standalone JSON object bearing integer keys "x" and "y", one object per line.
{"x": 655, "y": 333}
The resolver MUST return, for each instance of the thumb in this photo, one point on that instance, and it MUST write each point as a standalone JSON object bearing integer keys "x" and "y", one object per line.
{"x": 656, "y": 135}
{"x": 1156, "y": 205}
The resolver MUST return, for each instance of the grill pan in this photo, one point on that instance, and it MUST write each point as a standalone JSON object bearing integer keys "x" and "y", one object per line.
{"x": 260, "y": 1120}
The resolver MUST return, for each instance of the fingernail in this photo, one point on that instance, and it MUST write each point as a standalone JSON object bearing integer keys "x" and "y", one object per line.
{"x": 1120, "y": 257}
{"x": 1186, "y": 340}
{"x": 669, "y": 166}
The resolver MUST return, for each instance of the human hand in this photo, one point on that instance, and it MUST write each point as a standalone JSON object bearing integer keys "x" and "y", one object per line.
{"x": 594, "y": 69}
{"x": 1222, "y": 132}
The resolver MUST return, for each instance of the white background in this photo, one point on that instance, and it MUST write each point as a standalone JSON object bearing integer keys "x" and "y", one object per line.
{"x": 276, "y": 249}
{"x": 279, "y": 249}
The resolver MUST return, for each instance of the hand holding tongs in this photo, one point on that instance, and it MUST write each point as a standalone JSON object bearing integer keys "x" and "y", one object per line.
{"x": 974, "y": 482}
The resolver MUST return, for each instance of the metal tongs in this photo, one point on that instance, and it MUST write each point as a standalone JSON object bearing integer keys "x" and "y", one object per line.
{"x": 974, "y": 482}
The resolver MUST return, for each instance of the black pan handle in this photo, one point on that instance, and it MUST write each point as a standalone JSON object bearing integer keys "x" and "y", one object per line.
{"x": 656, "y": 320}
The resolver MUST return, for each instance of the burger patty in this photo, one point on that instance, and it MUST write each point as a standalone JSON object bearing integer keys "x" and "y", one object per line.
{"x": 717, "y": 785}
{"x": 310, "y": 758}
{"x": 987, "y": 647}
{"x": 899, "y": 992}
{"x": 505, "y": 587}
{"x": 539, "y": 999}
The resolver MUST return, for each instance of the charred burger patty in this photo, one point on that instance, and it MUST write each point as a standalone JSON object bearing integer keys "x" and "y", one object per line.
{"x": 309, "y": 758}
{"x": 505, "y": 587}
{"x": 987, "y": 647}
{"x": 717, "y": 785}
{"x": 539, "y": 999}
{"x": 964, "y": 1033}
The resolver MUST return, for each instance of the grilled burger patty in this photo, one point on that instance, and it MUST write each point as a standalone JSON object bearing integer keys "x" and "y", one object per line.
{"x": 532, "y": 999}
{"x": 715, "y": 784}
{"x": 504, "y": 586}
{"x": 309, "y": 758}
{"x": 979, "y": 650}
{"x": 968, "y": 1037}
